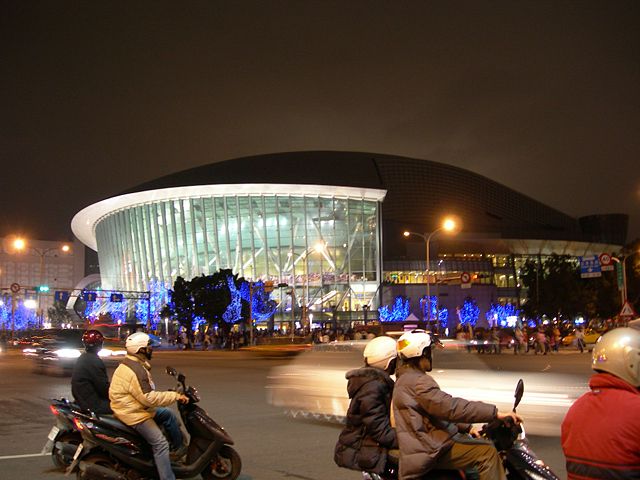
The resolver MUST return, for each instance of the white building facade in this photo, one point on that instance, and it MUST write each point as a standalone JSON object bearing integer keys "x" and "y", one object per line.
{"x": 323, "y": 241}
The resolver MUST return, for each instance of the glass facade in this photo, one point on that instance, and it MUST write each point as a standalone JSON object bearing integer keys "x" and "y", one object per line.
{"x": 327, "y": 248}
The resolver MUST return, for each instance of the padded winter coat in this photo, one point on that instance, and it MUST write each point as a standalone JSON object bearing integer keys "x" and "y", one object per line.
{"x": 364, "y": 441}
{"x": 601, "y": 431}
{"x": 426, "y": 420}
{"x": 132, "y": 392}
{"x": 90, "y": 384}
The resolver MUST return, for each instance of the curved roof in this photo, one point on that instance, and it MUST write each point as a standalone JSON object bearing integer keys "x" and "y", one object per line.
{"x": 419, "y": 193}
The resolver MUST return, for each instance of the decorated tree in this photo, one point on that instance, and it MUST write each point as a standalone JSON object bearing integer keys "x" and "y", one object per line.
{"x": 498, "y": 314}
{"x": 150, "y": 310}
{"x": 397, "y": 312}
{"x": 438, "y": 312}
{"x": 469, "y": 312}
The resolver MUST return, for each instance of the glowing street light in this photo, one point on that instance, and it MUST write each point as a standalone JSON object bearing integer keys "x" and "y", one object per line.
{"x": 20, "y": 245}
{"x": 449, "y": 225}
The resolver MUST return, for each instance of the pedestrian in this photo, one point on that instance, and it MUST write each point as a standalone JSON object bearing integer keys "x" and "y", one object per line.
{"x": 206, "y": 341}
{"x": 541, "y": 342}
{"x": 367, "y": 437}
{"x": 517, "y": 340}
{"x": 557, "y": 338}
{"x": 580, "y": 339}
{"x": 600, "y": 433}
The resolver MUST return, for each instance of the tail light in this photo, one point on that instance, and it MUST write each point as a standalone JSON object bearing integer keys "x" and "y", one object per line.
{"x": 54, "y": 410}
{"x": 79, "y": 425}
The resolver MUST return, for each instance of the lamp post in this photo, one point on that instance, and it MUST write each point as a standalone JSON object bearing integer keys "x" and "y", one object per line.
{"x": 622, "y": 261}
{"x": 19, "y": 245}
{"x": 449, "y": 225}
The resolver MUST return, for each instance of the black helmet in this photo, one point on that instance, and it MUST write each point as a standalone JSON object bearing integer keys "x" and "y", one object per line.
{"x": 92, "y": 340}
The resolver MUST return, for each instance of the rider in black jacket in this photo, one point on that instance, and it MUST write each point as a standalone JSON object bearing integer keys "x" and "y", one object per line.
{"x": 365, "y": 441}
{"x": 89, "y": 382}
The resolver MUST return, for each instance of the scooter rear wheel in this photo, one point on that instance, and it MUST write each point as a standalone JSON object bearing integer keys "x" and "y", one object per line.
{"x": 226, "y": 465}
{"x": 97, "y": 459}
{"x": 57, "y": 457}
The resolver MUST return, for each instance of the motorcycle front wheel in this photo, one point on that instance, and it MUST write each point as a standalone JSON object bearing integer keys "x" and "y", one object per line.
{"x": 226, "y": 465}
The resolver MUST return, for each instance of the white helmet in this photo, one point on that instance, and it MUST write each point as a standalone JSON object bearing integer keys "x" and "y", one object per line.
{"x": 618, "y": 352}
{"x": 380, "y": 351}
{"x": 412, "y": 344}
{"x": 136, "y": 341}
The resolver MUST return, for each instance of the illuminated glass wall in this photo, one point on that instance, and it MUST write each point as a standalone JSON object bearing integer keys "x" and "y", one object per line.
{"x": 327, "y": 248}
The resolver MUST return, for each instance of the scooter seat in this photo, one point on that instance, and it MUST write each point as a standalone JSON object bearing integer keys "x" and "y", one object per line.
{"x": 113, "y": 422}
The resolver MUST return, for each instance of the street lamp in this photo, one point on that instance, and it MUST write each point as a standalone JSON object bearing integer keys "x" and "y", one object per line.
{"x": 449, "y": 225}
{"x": 20, "y": 245}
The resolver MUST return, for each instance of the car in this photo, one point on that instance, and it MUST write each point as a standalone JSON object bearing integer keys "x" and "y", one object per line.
{"x": 56, "y": 351}
{"x": 591, "y": 336}
{"x": 313, "y": 385}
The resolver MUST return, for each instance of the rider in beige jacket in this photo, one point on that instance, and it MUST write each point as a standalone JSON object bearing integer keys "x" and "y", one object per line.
{"x": 135, "y": 402}
{"x": 132, "y": 394}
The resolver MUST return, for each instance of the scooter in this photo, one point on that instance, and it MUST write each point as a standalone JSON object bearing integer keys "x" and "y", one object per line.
{"x": 64, "y": 437}
{"x": 520, "y": 462}
{"x": 113, "y": 451}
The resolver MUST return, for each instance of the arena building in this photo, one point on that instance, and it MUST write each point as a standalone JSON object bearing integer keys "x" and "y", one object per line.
{"x": 330, "y": 224}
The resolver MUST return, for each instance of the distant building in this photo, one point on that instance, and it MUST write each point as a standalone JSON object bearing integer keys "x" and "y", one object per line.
{"x": 40, "y": 263}
{"x": 329, "y": 224}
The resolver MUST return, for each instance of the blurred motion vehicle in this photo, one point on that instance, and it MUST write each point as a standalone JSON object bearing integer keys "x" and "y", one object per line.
{"x": 313, "y": 385}
{"x": 591, "y": 336}
{"x": 56, "y": 351}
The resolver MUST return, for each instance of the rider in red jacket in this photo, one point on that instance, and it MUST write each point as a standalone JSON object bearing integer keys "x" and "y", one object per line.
{"x": 601, "y": 431}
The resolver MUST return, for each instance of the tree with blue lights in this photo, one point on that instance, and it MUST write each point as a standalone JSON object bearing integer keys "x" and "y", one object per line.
{"x": 437, "y": 312}
{"x": 469, "y": 312}
{"x": 158, "y": 298}
{"x": 398, "y": 312}
{"x": 262, "y": 306}
{"x": 220, "y": 299}
{"x": 498, "y": 314}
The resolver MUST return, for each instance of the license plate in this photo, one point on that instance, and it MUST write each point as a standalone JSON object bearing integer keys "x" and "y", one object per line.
{"x": 78, "y": 450}
{"x": 52, "y": 433}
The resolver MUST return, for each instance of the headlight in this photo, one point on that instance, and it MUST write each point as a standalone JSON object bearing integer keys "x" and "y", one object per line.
{"x": 105, "y": 352}
{"x": 67, "y": 353}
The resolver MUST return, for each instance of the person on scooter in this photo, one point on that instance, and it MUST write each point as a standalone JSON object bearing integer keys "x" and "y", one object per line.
{"x": 136, "y": 403}
{"x": 89, "y": 381}
{"x": 600, "y": 432}
{"x": 368, "y": 417}
{"x": 429, "y": 422}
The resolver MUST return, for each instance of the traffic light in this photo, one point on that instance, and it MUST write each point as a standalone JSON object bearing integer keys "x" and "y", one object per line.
{"x": 43, "y": 288}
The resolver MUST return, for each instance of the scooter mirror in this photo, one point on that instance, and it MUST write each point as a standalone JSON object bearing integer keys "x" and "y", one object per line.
{"x": 171, "y": 371}
{"x": 518, "y": 394}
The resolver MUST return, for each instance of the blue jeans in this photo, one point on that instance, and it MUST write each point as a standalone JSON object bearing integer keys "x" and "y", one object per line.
{"x": 154, "y": 436}
{"x": 169, "y": 421}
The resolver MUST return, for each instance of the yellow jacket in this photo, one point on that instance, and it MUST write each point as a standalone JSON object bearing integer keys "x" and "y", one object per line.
{"x": 132, "y": 392}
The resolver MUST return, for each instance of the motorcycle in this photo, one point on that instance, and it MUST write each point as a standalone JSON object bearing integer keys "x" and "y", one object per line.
{"x": 113, "y": 451}
{"x": 520, "y": 462}
{"x": 63, "y": 438}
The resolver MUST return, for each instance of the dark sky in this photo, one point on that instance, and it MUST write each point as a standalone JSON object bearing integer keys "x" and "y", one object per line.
{"x": 96, "y": 97}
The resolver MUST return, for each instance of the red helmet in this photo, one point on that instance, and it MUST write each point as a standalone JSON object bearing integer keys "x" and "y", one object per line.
{"x": 92, "y": 339}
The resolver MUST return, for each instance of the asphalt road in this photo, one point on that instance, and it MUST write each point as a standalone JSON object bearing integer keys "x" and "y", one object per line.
{"x": 232, "y": 387}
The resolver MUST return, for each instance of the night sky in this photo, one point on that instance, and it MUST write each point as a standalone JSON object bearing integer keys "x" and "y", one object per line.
{"x": 97, "y": 97}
